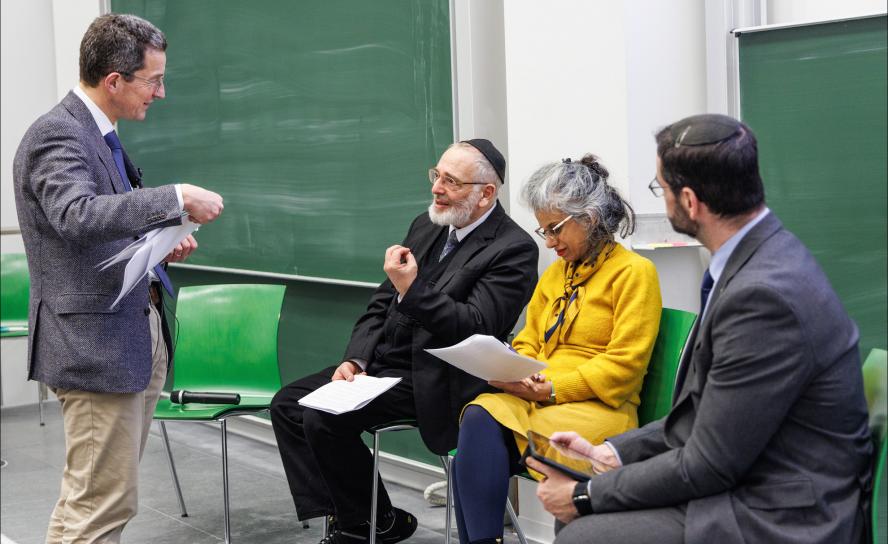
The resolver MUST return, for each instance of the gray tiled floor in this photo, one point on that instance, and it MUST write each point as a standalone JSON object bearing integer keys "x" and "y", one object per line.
{"x": 261, "y": 508}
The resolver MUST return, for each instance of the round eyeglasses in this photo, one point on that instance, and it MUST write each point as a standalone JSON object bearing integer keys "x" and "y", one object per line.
{"x": 449, "y": 182}
{"x": 547, "y": 233}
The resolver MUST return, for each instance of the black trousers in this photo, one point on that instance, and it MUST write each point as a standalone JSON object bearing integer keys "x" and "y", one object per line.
{"x": 328, "y": 466}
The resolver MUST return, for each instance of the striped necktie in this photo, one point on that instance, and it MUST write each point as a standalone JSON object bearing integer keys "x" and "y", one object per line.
{"x": 452, "y": 242}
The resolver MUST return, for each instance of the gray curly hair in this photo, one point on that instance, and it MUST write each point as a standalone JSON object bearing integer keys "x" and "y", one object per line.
{"x": 580, "y": 189}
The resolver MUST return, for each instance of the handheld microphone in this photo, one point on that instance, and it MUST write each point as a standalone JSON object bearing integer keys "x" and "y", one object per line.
{"x": 184, "y": 397}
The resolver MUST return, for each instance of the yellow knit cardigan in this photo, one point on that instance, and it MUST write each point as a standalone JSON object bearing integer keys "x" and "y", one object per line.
{"x": 598, "y": 361}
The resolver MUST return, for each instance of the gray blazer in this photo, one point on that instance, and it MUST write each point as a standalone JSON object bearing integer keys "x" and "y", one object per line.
{"x": 767, "y": 440}
{"x": 75, "y": 211}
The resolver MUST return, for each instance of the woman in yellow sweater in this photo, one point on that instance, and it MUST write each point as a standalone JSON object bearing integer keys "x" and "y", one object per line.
{"x": 593, "y": 319}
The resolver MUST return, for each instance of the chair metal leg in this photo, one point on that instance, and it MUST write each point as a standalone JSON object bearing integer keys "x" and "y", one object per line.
{"x": 173, "y": 473}
{"x": 515, "y": 524}
{"x": 447, "y": 461}
{"x": 41, "y": 396}
{"x": 374, "y": 501}
{"x": 375, "y": 498}
{"x": 225, "y": 515}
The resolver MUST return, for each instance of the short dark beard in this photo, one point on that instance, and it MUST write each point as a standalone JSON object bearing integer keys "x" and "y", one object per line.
{"x": 681, "y": 222}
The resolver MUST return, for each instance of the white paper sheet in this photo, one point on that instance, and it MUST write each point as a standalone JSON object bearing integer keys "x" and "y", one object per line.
{"x": 146, "y": 252}
{"x": 489, "y": 359}
{"x": 341, "y": 396}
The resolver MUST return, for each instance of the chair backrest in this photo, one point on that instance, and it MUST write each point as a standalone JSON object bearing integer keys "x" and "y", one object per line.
{"x": 227, "y": 338}
{"x": 880, "y": 495}
{"x": 14, "y": 286}
{"x": 875, "y": 376}
{"x": 656, "y": 393}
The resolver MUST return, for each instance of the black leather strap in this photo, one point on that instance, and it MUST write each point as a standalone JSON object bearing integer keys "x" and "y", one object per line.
{"x": 581, "y": 499}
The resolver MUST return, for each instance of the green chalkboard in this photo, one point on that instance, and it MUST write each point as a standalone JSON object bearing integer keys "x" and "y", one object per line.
{"x": 316, "y": 120}
{"x": 816, "y": 98}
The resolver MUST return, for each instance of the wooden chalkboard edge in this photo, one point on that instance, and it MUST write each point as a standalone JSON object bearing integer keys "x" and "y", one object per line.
{"x": 748, "y": 30}
{"x": 277, "y": 275}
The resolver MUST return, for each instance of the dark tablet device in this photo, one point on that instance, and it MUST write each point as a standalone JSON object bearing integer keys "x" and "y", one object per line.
{"x": 573, "y": 464}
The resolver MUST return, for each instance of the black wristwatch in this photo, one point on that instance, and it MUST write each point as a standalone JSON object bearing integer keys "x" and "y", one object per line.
{"x": 581, "y": 499}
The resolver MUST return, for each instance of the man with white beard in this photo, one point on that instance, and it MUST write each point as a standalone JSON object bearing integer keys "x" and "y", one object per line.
{"x": 464, "y": 268}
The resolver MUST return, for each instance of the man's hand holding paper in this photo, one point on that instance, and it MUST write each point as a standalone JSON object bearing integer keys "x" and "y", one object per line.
{"x": 182, "y": 251}
{"x": 146, "y": 252}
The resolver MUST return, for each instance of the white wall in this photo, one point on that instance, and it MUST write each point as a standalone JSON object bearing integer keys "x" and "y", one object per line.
{"x": 71, "y": 18}
{"x": 480, "y": 76}
{"x": 27, "y": 83}
{"x": 566, "y": 89}
{"x": 796, "y": 11}
{"x": 602, "y": 77}
{"x": 50, "y": 32}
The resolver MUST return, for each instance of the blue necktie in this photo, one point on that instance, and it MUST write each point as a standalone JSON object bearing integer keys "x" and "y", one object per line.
{"x": 705, "y": 288}
{"x": 452, "y": 242}
{"x": 117, "y": 152}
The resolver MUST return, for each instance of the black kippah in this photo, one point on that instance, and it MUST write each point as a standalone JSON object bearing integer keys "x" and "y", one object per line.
{"x": 709, "y": 128}
{"x": 492, "y": 154}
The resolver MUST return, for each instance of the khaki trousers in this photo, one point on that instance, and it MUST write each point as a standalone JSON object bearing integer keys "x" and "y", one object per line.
{"x": 105, "y": 435}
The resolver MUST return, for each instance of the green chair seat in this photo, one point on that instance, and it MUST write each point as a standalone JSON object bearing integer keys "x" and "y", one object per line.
{"x": 12, "y": 329}
{"x": 167, "y": 410}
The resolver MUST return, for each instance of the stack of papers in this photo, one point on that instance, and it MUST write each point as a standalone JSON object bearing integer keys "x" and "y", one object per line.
{"x": 146, "y": 253}
{"x": 341, "y": 396}
{"x": 489, "y": 359}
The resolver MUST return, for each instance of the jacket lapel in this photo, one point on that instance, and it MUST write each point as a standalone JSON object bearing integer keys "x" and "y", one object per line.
{"x": 79, "y": 111}
{"x": 477, "y": 240}
{"x": 741, "y": 255}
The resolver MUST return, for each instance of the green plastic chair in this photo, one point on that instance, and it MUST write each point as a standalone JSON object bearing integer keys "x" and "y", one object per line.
{"x": 227, "y": 341}
{"x": 14, "y": 289}
{"x": 15, "y": 285}
{"x": 659, "y": 382}
{"x": 875, "y": 377}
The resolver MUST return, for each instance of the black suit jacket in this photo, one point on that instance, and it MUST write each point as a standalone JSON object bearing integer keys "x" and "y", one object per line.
{"x": 767, "y": 440}
{"x": 483, "y": 289}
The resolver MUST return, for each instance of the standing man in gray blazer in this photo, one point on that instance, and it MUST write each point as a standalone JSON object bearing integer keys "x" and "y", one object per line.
{"x": 767, "y": 439}
{"x": 79, "y": 201}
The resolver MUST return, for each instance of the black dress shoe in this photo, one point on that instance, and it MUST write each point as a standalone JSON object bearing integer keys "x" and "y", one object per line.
{"x": 396, "y": 526}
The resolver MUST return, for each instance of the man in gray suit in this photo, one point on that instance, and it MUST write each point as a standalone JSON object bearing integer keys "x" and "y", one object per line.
{"x": 79, "y": 201}
{"x": 767, "y": 439}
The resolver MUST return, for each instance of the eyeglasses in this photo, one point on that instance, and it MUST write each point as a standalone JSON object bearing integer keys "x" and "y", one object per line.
{"x": 656, "y": 188}
{"x": 546, "y": 233}
{"x": 449, "y": 182}
{"x": 155, "y": 83}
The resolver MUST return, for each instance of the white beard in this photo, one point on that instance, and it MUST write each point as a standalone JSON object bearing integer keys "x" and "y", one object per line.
{"x": 459, "y": 212}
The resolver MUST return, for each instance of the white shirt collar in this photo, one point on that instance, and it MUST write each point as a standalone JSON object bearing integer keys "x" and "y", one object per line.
{"x": 464, "y": 231}
{"x": 102, "y": 121}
